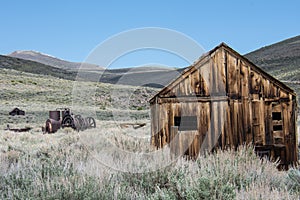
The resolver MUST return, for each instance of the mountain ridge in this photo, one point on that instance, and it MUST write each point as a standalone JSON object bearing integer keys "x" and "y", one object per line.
{"x": 148, "y": 76}
{"x": 34, "y": 67}
{"x": 51, "y": 60}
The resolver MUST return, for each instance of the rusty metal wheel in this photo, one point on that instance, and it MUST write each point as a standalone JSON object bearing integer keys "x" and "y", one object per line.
{"x": 79, "y": 122}
{"x": 68, "y": 122}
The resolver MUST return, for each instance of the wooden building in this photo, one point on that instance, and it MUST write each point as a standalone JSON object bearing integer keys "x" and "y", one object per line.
{"x": 223, "y": 100}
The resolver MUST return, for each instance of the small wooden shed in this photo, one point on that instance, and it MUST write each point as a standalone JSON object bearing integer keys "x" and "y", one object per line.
{"x": 16, "y": 111}
{"x": 224, "y": 100}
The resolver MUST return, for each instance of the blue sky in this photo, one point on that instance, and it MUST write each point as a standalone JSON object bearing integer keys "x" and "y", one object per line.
{"x": 72, "y": 29}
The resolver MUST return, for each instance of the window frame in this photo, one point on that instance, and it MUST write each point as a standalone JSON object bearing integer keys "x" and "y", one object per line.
{"x": 186, "y": 123}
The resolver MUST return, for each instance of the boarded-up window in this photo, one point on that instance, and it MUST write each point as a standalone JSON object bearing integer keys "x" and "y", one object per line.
{"x": 277, "y": 125}
{"x": 186, "y": 123}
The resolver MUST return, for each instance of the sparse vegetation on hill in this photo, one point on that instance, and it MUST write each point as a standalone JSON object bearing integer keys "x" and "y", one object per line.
{"x": 281, "y": 59}
{"x": 37, "y": 94}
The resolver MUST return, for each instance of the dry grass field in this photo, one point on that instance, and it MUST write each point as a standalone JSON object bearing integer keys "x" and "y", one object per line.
{"x": 110, "y": 162}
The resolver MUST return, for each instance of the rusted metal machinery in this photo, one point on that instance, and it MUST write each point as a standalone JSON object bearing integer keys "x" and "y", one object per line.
{"x": 61, "y": 118}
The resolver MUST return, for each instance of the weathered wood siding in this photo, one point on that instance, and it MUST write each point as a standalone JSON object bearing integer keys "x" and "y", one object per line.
{"x": 235, "y": 103}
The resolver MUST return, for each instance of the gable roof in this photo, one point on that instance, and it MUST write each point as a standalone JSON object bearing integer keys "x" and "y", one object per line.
{"x": 207, "y": 55}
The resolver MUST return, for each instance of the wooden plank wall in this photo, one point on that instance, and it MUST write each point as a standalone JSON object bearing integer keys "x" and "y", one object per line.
{"x": 256, "y": 94}
{"x": 245, "y": 117}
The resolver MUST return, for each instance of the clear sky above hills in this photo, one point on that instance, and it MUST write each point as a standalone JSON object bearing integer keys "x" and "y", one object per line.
{"x": 72, "y": 29}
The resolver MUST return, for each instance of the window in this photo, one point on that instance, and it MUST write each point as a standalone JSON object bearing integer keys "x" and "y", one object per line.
{"x": 186, "y": 123}
{"x": 276, "y": 115}
{"x": 277, "y": 128}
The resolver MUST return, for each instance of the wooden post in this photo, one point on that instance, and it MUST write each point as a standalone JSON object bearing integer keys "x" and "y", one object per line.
{"x": 174, "y": 141}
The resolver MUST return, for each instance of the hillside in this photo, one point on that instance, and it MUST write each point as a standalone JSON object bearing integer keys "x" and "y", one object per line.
{"x": 148, "y": 76}
{"x": 8, "y": 62}
{"x": 49, "y": 60}
{"x": 281, "y": 59}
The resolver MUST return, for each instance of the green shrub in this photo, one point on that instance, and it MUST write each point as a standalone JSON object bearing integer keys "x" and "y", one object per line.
{"x": 293, "y": 180}
{"x": 60, "y": 172}
{"x": 46, "y": 177}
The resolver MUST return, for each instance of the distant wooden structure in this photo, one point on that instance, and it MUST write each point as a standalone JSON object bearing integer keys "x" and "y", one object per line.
{"x": 16, "y": 111}
{"x": 223, "y": 100}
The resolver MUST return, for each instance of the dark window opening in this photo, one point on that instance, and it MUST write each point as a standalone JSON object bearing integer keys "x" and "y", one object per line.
{"x": 277, "y": 128}
{"x": 186, "y": 123}
{"x": 276, "y": 115}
